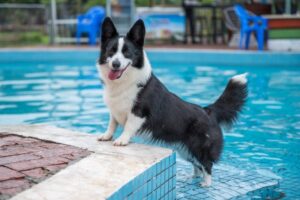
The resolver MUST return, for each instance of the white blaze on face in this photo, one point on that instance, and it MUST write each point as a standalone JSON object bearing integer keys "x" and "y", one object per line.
{"x": 120, "y": 56}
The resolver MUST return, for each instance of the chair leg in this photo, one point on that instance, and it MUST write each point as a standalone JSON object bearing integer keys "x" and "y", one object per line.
{"x": 78, "y": 35}
{"x": 260, "y": 38}
{"x": 248, "y": 35}
{"x": 92, "y": 39}
{"x": 241, "y": 39}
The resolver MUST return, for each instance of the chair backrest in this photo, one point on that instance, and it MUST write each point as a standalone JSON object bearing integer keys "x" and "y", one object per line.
{"x": 96, "y": 13}
{"x": 241, "y": 11}
{"x": 231, "y": 19}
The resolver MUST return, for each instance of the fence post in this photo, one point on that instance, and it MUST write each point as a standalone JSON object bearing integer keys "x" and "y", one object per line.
{"x": 132, "y": 12}
{"x": 108, "y": 8}
{"x": 288, "y": 9}
{"x": 53, "y": 22}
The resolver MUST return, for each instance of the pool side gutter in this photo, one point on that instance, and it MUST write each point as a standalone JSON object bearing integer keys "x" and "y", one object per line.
{"x": 173, "y": 57}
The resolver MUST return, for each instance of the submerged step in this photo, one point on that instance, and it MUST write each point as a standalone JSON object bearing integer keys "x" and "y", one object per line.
{"x": 228, "y": 183}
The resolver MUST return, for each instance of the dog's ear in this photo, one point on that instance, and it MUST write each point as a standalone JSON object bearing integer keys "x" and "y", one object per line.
{"x": 108, "y": 30}
{"x": 137, "y": 33}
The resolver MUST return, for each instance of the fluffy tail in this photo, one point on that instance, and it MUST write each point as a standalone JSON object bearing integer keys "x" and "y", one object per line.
{"x": 230, "y": 103}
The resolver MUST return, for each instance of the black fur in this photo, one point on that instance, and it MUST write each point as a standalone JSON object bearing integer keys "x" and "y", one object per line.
{"x": 168, "y": 118}
{"x": 109, "y": 30}
{"x": 137, "y": 33}
{"x": 133, "y": 52}
{"x": 173, "y": 120}
{"x": 228, "y": 105}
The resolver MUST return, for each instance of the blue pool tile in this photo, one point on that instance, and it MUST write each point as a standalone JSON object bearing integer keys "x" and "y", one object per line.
{"x": 130, "y": 197}
{"x": 144, "y": 189}
{"x": 154, "y": 183}
{"x": 168, "y": 161}
{"x": 149, "y": 187}
{"x": 226, "y": 184}
{"x": 163, "y": 164}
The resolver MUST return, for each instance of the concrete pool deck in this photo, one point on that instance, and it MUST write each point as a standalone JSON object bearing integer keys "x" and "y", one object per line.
{"x": 109, "y": 172}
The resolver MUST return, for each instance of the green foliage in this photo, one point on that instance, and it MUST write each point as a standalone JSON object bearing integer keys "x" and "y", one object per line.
{"x": 144, "y": 3}
{"x": 85, "y": 3}
{"x": 20, "y": 1}
{"x": 92, "y": 3}
{"x": 23, "y": 38}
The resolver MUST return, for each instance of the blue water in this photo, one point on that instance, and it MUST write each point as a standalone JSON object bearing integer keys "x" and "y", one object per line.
{"x": 69, "y": 94}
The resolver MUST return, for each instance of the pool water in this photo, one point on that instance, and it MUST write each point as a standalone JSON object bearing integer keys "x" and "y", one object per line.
{"x": 69, "y": 94}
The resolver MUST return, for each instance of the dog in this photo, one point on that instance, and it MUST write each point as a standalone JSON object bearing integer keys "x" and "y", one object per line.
{"x": 139, "y": 102}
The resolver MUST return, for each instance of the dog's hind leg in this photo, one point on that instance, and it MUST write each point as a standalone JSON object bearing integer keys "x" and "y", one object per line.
{"x": 112, "y": 125}
{"x": 197, "y": 167}
{"x": 132, "y": 126}
{"x": 206, "y": 169}
{"x": 197, "y": 171}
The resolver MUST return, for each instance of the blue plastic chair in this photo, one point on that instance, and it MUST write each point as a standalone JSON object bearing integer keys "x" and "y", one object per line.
{"x": 90, "y": 23}
{"x": 250, "y": 23}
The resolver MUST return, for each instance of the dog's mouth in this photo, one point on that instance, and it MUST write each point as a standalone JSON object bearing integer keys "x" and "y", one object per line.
{"x": 116, "y": 74}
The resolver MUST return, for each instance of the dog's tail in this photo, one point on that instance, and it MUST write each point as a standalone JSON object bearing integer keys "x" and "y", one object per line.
{"x": 230, "y": 103}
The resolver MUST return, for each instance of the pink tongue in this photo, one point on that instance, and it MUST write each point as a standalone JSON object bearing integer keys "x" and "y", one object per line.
{"x": 114, "y": 74}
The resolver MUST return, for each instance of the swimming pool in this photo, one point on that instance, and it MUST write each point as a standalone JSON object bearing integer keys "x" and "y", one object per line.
{"x": 62, "y": 88}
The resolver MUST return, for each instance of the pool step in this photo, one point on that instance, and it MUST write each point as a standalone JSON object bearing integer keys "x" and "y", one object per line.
{"x": 228, "y": 183}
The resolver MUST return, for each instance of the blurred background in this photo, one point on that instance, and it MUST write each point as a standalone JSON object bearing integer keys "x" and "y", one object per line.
{"x": 169, "y": 22}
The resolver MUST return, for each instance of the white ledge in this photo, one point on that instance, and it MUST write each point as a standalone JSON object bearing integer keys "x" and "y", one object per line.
{"x": 97, "y": 176}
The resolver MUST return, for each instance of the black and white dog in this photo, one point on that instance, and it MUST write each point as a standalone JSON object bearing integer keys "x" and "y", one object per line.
{"x": 140, "y": 103}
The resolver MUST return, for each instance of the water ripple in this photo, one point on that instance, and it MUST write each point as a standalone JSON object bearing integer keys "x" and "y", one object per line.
{"x": 267, "y": 134}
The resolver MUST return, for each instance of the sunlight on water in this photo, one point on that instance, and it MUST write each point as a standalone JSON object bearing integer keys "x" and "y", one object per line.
{"x": 267, "y": 135}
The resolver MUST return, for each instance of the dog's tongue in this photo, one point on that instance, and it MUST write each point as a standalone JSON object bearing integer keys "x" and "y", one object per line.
{"x": 114, "y": 74}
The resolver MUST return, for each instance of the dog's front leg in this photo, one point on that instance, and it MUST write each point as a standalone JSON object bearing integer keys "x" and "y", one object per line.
{"x": 132, "y": 126}
{"x": 112, "y": 125}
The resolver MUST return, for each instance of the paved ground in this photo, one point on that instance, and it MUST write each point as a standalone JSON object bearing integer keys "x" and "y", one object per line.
{"x": 26, "y": 161}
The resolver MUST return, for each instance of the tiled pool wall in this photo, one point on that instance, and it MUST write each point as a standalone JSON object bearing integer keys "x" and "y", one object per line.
{"x": 157, "y": 182}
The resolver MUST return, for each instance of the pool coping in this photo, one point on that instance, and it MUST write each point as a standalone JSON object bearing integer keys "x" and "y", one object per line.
{"x": 83, "y": 179}
{"x": 157, "y": 56}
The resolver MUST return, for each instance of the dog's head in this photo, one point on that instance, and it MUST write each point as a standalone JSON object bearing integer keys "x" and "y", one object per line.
{"x": 119, "y": 53}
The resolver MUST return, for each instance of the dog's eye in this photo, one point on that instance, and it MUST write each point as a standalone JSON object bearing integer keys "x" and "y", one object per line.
{"x": 114, "y": 49}
{"x": 111, "y": 52}
{"x": 126, "y": 52}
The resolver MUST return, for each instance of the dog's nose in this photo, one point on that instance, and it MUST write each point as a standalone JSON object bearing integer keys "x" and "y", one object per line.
{"x": 116, "y": 64}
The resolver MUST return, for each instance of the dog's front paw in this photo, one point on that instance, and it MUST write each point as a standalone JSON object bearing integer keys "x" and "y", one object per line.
{"x": 104, "y": 137}
{"x": 207, "y": 181}
{"x": 121, "y": 141}
{"x": 205, "y": 184}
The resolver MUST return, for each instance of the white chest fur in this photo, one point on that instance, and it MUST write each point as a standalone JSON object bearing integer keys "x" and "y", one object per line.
{"x": 120, "y": 95}
{"x": 120, "y": 104}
